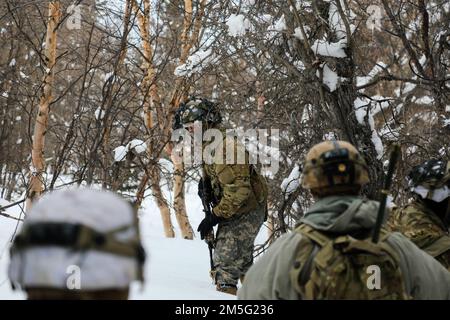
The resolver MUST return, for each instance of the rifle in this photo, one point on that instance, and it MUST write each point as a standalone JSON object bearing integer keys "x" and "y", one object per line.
{"x": 209, "y": 239}
{"x": 393, "y": 158}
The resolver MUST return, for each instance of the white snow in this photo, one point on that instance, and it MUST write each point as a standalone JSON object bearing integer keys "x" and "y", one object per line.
{"x": 298, "y": 32}
{"x": 237, "y": 25}
{"x": 361, "y": 110}
{"x": 425, "y": 100}
{"x": 446, "y": 122}
{"x": 330, "y": 49}
{"x": 292, "y": 182}
{"x": 5, "y": 94}
{"x": 330, "y": 78}
{"x": 99, "y": 113}
{"x": 447, "y": 108}
{"x": 18, "y": 118}
{"x": 280, "y": 24}
{"x": 195, "y": 63}
{"x": 12, "y": 63}
{"x": 138, "y": 145}
{"x": 19, "y": 141}
{"x": 335, "y": 21}
{"x": 176, "y": 269}
{"x": 376, "y": 140}
{"x": 247, "y": 4}
{"x": 335, "y": 49}
{"x": 390, "y": 202}
{"x": 120, "y": 153}
{"x": 23, "y": 75}
{"x": 360, "y": 81}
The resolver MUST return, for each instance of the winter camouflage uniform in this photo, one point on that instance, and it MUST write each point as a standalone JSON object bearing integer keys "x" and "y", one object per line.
{"x": 94, "y": 230}
{"x": 423, "y": 227}
{"x": 242, "y": 194}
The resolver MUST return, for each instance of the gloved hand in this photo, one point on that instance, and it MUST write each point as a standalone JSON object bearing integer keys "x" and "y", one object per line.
{"x": 207, "y": 225}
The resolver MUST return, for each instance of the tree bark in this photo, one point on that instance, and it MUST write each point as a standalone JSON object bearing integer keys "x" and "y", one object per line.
{"x": 149, "y": 90}
{"x": 36, "y": 185}
{"x": 179, "y": 203}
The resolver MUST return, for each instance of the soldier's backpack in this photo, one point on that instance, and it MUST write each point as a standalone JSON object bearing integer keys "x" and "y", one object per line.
{"x": 343, "y": 267}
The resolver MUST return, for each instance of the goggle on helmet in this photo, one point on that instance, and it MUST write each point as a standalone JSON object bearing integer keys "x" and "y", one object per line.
{"x": 197, "y": 109}
{"x": 431, "y": 180}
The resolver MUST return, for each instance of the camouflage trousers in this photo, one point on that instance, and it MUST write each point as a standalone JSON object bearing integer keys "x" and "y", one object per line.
{"x": 233, "y": 254}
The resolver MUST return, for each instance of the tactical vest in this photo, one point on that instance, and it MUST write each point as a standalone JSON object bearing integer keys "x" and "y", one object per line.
{"x": 259, "y": 190}
{"x": 342, "y": 267}
{"x": 258, "y": 196}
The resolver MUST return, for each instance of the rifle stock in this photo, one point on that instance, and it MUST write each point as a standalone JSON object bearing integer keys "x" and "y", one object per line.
{"x": 209, "y": 239}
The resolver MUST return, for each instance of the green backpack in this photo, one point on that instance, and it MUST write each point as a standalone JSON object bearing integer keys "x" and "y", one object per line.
{"x": 343, "y": 267}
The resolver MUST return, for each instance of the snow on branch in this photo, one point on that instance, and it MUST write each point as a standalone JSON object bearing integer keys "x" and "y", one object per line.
{"x": 362, "y": 110}
{"x": 135, "y": 145}
{"x": 292, "y": 182}
{"x": 237, "y": 25}
{"x": 195, "y": 63}
{"x": 330, "y": 49}
{"x": 337, "y": 25}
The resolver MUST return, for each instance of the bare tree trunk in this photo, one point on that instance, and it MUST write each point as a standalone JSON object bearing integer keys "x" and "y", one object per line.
{"x": 188, "y": 39}
{"x": 189, "y": 36}
{"x": 11, "y": 186}
{"x": 162, "y": 203}
{"x": 36, "y": 185}
{"x": 151, "y": 96}
{"x": 180, "y": 203}
{"x": 112, "y": 88}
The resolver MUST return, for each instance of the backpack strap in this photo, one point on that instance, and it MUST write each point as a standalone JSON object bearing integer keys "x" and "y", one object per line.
{"x": 438, "y": 247}
{"x": 301, "y": 271}
{"x": 316, "y": 236}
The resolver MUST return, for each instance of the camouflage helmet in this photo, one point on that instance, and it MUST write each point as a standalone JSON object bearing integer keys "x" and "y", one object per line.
{"x": 334, "y": 165}
{"x": 431, "y": 180}
{"x": 197, "y": 109}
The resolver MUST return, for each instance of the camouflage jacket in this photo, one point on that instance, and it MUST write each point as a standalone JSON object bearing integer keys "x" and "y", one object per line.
{"x": 239, "y": 188}
{"x": 423, "y": 227}
{"x": 269, "y": 279}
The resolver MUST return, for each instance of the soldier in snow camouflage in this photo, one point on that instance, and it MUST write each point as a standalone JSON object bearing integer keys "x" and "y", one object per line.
{"x": 425, "y": 220}
{"x": 239, "y": 205}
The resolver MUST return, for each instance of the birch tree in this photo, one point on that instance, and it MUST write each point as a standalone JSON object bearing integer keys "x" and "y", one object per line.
{"x": 36, "y": 186}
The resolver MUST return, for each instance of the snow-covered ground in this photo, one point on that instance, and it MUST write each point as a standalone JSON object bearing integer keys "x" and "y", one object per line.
{"x": 175, "y": 269}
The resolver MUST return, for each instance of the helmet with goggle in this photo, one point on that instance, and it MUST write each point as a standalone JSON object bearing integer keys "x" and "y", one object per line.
{"x": 196, "y": 109}
{"x": 431, "y": 180}
{"x": 332, "y": 166}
